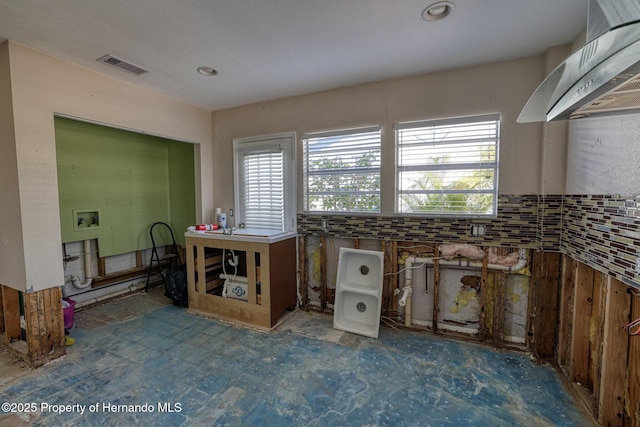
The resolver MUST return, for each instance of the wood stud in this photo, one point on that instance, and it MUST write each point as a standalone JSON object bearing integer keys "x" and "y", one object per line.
{"x": 303, "y": 273}
{"x": 594, "y": 352}
{"x": 44, "y": 334}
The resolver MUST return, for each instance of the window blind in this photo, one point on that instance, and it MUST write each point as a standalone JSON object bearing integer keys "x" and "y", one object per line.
{"x": 448, "y": 167}
{"x": 262, "y": 190}
{"x": 342, "y": 171}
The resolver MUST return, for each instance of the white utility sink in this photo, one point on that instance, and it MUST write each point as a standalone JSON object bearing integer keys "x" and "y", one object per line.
{"x": 245, "y": 235}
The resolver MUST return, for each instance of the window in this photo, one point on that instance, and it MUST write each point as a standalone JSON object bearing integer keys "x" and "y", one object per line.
{"x": 265, "y": 191}
{"x": 448, "y": 167}
{"x": 342, "y": 171}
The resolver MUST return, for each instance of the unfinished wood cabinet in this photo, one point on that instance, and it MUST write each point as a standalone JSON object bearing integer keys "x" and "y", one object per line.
{"x": 269, "y": 266}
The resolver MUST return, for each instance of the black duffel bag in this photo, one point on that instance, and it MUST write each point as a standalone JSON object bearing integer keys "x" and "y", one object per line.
{"x": 175, "y": 285}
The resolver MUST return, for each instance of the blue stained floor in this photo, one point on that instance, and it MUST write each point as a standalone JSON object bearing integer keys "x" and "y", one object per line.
{"x": 200, "y": 372}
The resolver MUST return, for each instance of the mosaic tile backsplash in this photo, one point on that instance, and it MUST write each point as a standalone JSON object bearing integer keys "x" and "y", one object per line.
{"x": 515, "y": 225}
{"x": 604, "y": 233}
{"x": 600, "y": 231}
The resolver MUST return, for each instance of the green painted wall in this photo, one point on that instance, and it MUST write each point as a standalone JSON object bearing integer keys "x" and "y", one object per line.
{"x": 132, "y": 180}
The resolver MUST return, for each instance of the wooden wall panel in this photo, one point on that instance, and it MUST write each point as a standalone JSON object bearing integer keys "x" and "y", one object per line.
{"x": 498, "y": 308}
{"x": 323, "y": 272}
{"x": 596, "y": 330}
{"x": 485, "y": 325}
{"x": 387, "y": 285}
{"x": 11, "y": 311}
{"x": 583, "y": 298}
{"x": 436, "y": 291}
{"x": 303, "y": 281}
{"x": 394, "y": 278}
{"x": 565, "y": 326}
{"x": 544, "y": 288}
{"x": 632, "y": 396}
{"x": 614, "y": 355}
{"x": 45, "y": 325}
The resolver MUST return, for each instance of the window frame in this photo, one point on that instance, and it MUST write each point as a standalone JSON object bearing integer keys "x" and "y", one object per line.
{"x": 459, "y": 166}
{"x": 377, "y": 170}
{"x": 261, "y": 144}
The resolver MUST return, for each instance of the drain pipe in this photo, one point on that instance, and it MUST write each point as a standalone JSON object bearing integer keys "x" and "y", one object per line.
{"x": 87, "y": 258}
{"x": 86, "y": 253}
{"x": 405, "y": 301}
{"x": 75, "y": 280}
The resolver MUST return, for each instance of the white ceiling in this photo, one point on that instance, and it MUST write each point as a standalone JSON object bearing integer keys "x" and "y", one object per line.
{"x": 269, "y": 49}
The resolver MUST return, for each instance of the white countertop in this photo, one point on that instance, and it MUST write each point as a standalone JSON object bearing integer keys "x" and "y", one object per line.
{"x": 245, "y": 235}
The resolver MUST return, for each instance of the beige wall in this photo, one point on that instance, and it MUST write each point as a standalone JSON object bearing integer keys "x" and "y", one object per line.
{"x": 554, "y": 137}
{"x": 42, "y": 86}
{"x": 603, "y": 155}
{"x": 501, "y": 87}
{"x": 12, "y": 263}
{"x": 603, "y": 152}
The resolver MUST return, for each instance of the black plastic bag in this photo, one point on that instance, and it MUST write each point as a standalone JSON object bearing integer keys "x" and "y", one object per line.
{"x": 175, "y": 285}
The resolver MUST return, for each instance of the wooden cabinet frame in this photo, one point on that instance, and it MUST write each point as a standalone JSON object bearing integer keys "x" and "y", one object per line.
{"x": 277, "y": 277}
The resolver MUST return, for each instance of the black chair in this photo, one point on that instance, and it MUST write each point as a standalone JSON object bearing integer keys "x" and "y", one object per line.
{"x": 169, "y": 260}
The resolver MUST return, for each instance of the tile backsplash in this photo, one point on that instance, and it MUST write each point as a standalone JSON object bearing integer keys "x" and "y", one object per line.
{"x": 604, "y": 233}
{"x": 600, "y": 231}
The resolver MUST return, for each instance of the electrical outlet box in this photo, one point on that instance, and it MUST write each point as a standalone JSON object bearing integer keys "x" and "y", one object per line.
{"x": 84, "y": 219}
{"x": 477, "y": 230}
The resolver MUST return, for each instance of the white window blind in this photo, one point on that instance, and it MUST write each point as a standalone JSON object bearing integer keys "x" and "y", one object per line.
{"x": 448, "y": 167}
{"x": 342, "y": 171}
{"x": 262, "y": 189}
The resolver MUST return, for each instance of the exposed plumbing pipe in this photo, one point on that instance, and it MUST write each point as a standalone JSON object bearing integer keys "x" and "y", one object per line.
{"x": 76, "y": 282}
{"x": 88, "y": 275}
{"x": 131, "y": 289}
{"x": 405, "y": 301}
{"x": 522, "y": 263}
{"x": 406, "y": 294}
{"x": 87, "y": 258}
{"x": 236, "y": 278}
{"x": 408, "y": 265}
{"x": 88, "y": 279}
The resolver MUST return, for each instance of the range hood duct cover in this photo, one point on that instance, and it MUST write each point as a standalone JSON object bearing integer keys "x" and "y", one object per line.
{"x": 600, "y": 79}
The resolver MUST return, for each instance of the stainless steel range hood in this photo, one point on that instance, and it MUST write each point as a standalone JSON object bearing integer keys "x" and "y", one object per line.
{"x": 603, "y": 77}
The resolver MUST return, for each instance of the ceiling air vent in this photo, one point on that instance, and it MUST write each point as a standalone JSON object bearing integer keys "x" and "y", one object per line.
{"x": 123, "y": 65}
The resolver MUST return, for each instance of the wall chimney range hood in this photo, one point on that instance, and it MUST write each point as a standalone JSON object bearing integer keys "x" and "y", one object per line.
{"x": 600, "y": 79}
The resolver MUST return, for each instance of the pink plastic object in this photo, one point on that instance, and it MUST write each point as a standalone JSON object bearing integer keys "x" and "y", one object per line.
{"x": 67, "y": 312}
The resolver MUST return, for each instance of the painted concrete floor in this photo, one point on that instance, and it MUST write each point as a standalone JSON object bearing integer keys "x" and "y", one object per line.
{"x": 184, "y": 370}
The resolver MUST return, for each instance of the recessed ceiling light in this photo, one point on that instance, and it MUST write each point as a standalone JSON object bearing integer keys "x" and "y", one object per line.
{"x": 207, "y": 71}
{"x": 438, "y": 10}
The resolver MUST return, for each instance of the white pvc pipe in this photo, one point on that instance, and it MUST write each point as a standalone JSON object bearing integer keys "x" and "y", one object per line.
{"x": 236, "y": 278}
{"x": 406, "y": 293}
{"x": 131, "y": 289}
{"x": 88, "y": 279}
{"x": 87, "y": 258}
{"x": 405, "y": 300}
{"x": 522, "y": 262}
{"x": 77, "y": 283}
{"x": 407, "y": 312}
